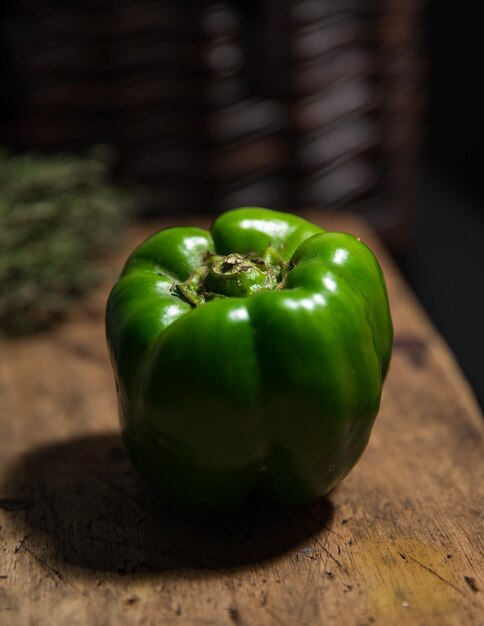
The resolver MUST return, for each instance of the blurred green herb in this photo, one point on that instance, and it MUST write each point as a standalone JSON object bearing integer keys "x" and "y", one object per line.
{"x": 58, "y": 216}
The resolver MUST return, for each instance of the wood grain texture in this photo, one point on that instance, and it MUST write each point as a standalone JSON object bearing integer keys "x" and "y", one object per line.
{"x": 83, "y": 542}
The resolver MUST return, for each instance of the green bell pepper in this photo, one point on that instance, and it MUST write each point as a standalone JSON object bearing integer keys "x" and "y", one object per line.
{"x": 249, "y": 356}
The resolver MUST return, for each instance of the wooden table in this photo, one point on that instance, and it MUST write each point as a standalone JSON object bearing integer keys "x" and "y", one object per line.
{"x": 82, "y": 541}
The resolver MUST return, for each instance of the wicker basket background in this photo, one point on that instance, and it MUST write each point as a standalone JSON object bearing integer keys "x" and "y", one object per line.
{"x": 214, "y": 104}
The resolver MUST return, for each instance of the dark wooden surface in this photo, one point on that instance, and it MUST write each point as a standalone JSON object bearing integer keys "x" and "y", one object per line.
{"x": 83, "y": 542}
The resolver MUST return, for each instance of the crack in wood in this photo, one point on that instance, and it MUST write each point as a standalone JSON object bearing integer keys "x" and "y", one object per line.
{"x": 52, "y": 571}
{"x": 331, "y": 556}
{"x": 434, "y": 573}
{"x": 471, "y": 583}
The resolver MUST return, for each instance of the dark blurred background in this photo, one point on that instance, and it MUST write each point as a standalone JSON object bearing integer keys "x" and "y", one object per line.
{"x": 445, "y": 260}
{"x": 363, "y": 105}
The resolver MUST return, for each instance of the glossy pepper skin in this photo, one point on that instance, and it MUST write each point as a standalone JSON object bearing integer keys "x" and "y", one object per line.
{"x": 249, "y": 356}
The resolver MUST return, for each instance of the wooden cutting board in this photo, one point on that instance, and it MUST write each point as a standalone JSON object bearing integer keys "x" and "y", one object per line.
{"x": 82, "y": 541}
